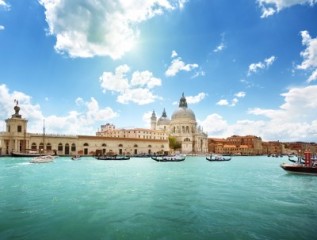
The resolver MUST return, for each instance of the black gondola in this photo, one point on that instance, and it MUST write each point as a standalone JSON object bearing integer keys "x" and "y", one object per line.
{"x": 113, "y": 157}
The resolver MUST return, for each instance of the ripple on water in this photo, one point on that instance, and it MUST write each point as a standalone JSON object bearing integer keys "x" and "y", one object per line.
{"x": 246, "y": 198}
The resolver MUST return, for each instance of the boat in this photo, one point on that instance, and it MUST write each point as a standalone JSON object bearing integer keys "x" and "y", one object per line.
{"x": 26, "y": 154}
{"x": 76, "y": 157}
{"x": 113, "y": 157}
{"x": 217, "y": 158}
{"x": 169, "y": 158}
{"x": 43, "y": 159}
{"x": 299, "y": 168}
{"x": 304, "y": 165}
{"x": 298, "y": 160}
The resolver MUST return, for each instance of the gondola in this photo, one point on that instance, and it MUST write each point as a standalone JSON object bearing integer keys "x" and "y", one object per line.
{"x": 113, "y": 157}
{"x": 27, "y": 154}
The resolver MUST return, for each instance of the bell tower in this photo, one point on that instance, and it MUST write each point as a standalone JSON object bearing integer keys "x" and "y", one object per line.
{"x": 16, "y": 128}
{"x": 153, "y": 121}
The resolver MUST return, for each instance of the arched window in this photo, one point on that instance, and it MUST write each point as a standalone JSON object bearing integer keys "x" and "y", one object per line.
{"x": 41, "y": 146}
{"x": 33, "y": 146}
{"x": 135, "y": 145}
{"x": 104, "y": 145}
{"x": 149, "y": 146}
{"x": 48, "y": 147}
{"x": 86, "y": 144}
{"x": 60, "y": 147}
{"x": 186, "y": 140}
{"x": 120, "y": 145}
{"x": 73, "y": 148}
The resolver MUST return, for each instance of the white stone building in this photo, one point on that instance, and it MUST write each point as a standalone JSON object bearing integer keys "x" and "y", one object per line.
{"x": 183, "y": 127}
{"x": 17, "y": 139}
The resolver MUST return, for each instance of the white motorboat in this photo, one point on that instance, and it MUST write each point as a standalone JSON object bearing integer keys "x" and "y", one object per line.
{"x": 43, "y": 159}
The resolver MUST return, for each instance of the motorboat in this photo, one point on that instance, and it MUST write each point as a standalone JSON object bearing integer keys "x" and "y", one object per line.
{"x": 76, "y": 157}
{"x": 218, "y": 158}
{"x": 169, "y": 158}
{"x": 306, "y": 165}
{"x": 299, "y": 168}
{"x": 43, "y": 159}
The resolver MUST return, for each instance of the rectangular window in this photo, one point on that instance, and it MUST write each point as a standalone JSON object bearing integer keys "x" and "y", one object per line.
{"x": 19, "y": 128}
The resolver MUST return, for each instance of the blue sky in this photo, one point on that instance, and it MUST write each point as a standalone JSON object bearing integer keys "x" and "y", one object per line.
{"x": 245, "y": 66}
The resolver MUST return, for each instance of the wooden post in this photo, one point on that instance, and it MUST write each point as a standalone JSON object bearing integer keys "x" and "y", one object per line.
{"x": 307, "y": 158}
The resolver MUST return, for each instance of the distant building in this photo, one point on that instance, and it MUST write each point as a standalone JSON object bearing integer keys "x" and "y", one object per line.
{"x": 236, "y": 145}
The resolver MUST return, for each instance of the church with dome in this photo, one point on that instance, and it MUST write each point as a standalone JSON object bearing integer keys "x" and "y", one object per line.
{"x": 16, "y": 139}
{"x": 183, "y": 127}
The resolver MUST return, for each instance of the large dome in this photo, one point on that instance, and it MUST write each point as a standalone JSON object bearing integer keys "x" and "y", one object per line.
{"x": 183, "y": 112}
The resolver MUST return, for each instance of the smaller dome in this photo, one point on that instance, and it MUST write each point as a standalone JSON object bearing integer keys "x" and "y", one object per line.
{"x": 163, "y": 120}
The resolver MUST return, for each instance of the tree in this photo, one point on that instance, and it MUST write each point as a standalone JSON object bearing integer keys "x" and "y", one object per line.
{"x": 173, "y": 143}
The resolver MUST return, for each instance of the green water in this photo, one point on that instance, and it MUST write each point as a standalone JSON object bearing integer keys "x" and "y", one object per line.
{"x": 246, "y": 198}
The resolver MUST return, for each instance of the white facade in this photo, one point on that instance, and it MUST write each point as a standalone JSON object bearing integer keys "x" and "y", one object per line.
{"x": 183, "y": 127}
{"x": 129, "y": 142}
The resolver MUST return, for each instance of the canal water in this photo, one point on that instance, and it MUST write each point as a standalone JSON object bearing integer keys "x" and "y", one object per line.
{"x": 246, "y": 198}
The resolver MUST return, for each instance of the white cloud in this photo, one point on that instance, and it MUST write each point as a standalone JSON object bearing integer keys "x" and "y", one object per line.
{"x": 220, "y": 47}
{"x": 309, "y": 55}
{"x": 140, "y": 96}
{"x": 196, "y": 99}
{"x": 5, "y": 5}
{"x": 147, "y": 119}
{"x": 240, "y": 94}
{"x": 296, "y": 116}
{"x": 174, "y": 54}
{"x": 214, "y": 124}
{"x": 270, "y": 7}
{"x": 294, "y": 120}
{"x": 254, "y": 67}
{"x": 199, "y": 73}
{"x": 145, "y": 79}
{"x": 223, "y": 102}
{"x": 178, "y": 65}
{"x": 85, "y": 28}
{"x": 136, "y": 90}
{"x": 234, "y": 101}
{"x": 73, "y": 123}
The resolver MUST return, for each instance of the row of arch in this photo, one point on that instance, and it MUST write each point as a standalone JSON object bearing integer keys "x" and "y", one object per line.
{"x": 68, "y": 148}
{"x": 183, "y": 129}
